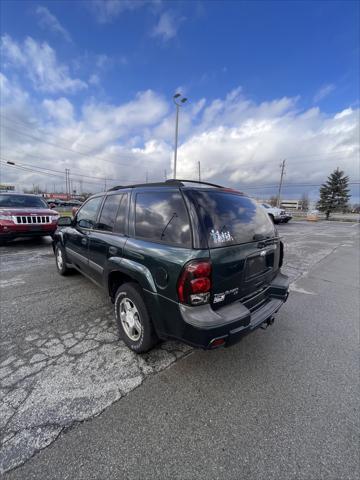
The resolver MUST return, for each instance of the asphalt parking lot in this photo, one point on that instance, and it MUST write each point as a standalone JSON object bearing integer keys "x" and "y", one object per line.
{"x": 283, "y": 403}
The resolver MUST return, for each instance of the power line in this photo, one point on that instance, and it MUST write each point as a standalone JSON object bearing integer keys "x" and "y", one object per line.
{"x": 57, "y": 145}
{"x": 50, "y": 169}
{"x": 30, "y": 127}
{"x": 287, "y": 185}
{"x": 39, "y": 169}
{"x": 39, "y": 172}
{"x": 60, "y": 174}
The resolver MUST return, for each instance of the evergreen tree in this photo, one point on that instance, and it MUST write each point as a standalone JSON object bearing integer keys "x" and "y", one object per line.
{"x": 334, "y": 194}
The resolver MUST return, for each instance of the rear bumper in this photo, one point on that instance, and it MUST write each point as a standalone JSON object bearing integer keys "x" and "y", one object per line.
{"x": 203, "y": 324}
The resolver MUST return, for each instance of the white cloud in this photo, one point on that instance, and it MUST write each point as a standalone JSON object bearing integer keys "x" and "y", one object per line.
{"x": 48, "y": 21}
{"x": 94, "y": 79}
{"x": 239, "y": 142}
{"x": 40, "y": 64}
{"x": 105, "y": 11}
{"x": 323, "y": 92}
{"x": 60, "y": 110}
{"x": 167, "y": 26}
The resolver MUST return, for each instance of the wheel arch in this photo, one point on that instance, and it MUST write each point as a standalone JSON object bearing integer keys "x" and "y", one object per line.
{"x": 129, "y": 271}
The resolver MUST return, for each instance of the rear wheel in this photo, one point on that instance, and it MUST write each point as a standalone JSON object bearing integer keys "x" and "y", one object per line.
{"x": 133, "y": 320}
{"x": 60, "y": 259}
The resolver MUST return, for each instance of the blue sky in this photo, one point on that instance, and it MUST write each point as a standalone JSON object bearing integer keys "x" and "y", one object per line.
{"x": 255, "y": 72}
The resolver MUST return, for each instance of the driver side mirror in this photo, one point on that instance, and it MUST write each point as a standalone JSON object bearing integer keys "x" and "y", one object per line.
{"x": 65, "y": 222}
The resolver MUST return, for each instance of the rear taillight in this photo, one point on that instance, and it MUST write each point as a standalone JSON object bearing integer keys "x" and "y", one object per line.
{"x": 194, "y": 283}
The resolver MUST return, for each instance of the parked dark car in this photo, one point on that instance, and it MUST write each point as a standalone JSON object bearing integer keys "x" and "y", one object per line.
{"x": 25, "y": 215}
{"x": 186, "y": 260}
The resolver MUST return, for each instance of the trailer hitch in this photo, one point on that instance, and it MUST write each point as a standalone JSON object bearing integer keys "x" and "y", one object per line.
{"x": 267, "y": 323}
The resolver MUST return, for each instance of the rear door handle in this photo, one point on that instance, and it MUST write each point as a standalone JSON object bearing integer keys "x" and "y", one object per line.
{"x": 84, "y": 241}
{"x": 113, "y": 250}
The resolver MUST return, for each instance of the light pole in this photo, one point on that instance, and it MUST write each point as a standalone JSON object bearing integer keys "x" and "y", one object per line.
{"x": 179, "y": 100}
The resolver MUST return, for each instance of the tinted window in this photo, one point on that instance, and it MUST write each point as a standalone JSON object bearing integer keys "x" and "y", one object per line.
{"x": 113, "y": 213}
{"x": 162, "y": 217}
{"x": 22, "y": 201}
{"x": 87, "y": 214}
{"x": 230, "y": 219}
{"x": 108, "y": 213}
{"x": 121, "y": 216}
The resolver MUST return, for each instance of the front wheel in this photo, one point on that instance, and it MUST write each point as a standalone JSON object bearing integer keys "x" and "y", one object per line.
{"x": 61, "y": 260}
{"x": 132, "y": 318}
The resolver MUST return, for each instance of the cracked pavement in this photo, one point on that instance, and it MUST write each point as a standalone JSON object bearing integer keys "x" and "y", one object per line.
{"x": 60, "y": 359}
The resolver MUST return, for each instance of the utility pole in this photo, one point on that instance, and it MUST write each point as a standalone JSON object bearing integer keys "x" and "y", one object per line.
{"x": 282, "y": 166}
{"x": 165, "y": 175}
{"x": 147, "y": 176}
{"x": 179, "y": 100}
{"x": 105, "y": 184}
{"x": 67, "y": 182}
{"x": 176, "y": 137}
{"x": 199, "y": 171}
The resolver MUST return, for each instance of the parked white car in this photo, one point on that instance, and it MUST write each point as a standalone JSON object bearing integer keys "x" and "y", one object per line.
{"x": 276, "y": 214}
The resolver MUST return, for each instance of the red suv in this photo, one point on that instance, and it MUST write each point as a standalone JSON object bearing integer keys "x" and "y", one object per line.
{"x": 24, "y": 215}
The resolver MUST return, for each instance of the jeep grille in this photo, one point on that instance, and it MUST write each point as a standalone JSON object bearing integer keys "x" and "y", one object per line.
{"x": 33, "y": 219}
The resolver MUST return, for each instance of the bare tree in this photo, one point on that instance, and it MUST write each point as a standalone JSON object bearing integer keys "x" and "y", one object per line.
{"x": 273, "y": 201}
{"x": 304, "y": 202}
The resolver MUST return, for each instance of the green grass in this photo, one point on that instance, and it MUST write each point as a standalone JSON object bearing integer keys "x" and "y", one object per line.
{"x": 67, "y": 213}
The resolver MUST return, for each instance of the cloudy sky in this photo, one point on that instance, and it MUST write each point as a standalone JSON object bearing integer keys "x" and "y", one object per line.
{"x": 88, "y": 86}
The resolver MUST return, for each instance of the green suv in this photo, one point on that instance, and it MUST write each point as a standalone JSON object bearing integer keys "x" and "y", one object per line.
{"x": 186, "y": 260}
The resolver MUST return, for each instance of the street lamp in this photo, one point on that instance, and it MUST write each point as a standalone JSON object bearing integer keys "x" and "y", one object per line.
{"x": 179, "y": 101}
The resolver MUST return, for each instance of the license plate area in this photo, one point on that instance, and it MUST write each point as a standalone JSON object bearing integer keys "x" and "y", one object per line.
{"x": 259, "y": 264}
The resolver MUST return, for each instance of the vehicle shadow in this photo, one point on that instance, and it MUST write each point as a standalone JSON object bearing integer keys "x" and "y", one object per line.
{"x": 28, "y": 242}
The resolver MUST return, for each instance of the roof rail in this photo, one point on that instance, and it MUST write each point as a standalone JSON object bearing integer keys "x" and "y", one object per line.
{"x": 173, "y": 180}
{"x": 167, "y": 183}
{"x": 154, "y": 184}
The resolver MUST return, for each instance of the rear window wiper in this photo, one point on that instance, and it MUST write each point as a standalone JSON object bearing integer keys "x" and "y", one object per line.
{"x": 166, "y": 226}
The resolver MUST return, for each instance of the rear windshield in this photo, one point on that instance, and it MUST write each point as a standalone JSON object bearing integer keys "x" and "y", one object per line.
{"x": 22, "y": 201}
{"x": 230, "y": 219}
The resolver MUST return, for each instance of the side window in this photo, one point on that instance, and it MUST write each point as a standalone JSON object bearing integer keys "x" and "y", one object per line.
{"x": 86, "y": 216}
{"x": 120, "y": 222}
{"x": 162, "y": 217}
{"x": 108, "y": 213}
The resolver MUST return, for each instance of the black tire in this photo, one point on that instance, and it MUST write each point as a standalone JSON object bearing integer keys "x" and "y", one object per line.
{"x": 272, "y": 218}
{"x": 144, "y": 338}
{"x": 61, "y": 266}
{"x": 286, "y": 221}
